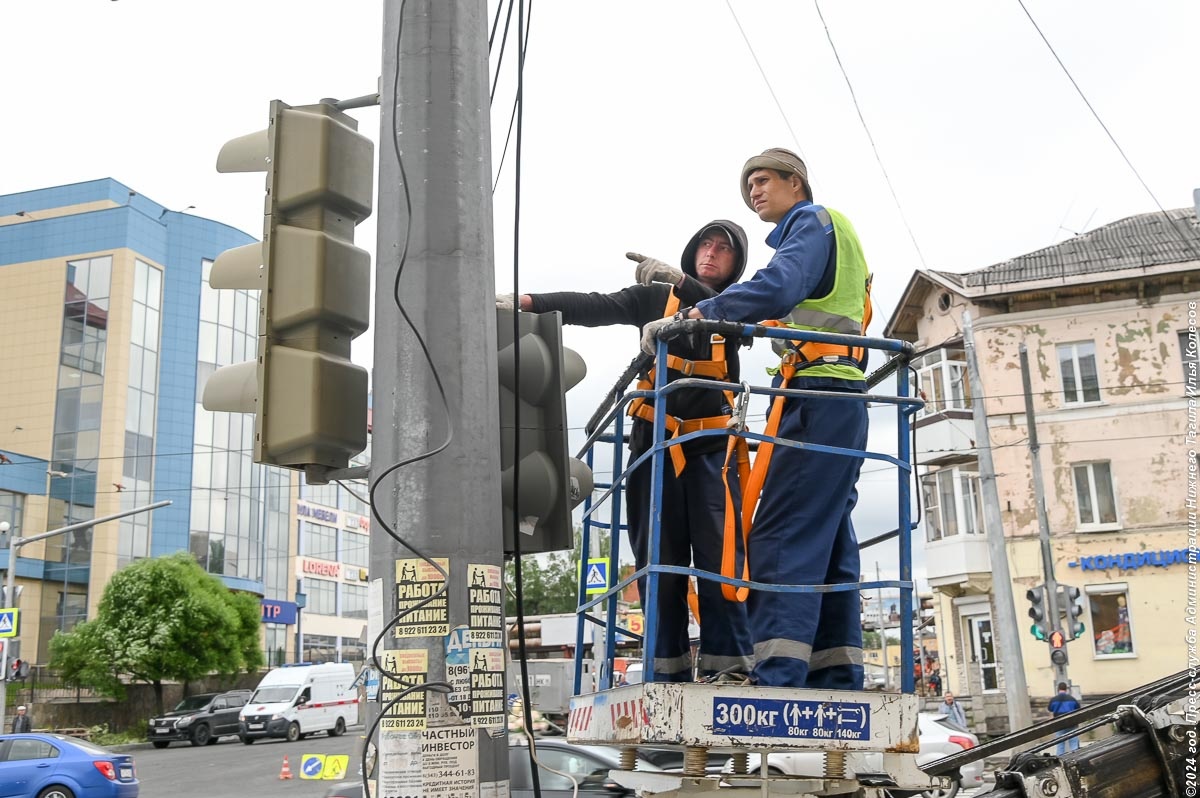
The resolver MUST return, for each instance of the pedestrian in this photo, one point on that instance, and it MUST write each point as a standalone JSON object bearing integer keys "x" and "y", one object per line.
{"x": 22, "y": 723}
{"x": 953, "y": 711}
{"x": 693, "y": 494}
{"x": 802, "y": 534}
{"x": 1061, "y": 704}
{"x": 935, "y": 682}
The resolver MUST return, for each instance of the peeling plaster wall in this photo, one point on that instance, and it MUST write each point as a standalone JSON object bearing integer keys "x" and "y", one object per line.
{"x": 1137, "y": 426}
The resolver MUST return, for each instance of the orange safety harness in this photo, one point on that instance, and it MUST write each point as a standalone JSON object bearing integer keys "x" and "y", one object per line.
{"x": 801, "y": 354}
{"x": 714, "y": 369}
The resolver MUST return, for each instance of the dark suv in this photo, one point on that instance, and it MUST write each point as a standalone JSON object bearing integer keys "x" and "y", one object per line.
{"x": 199, "y": 719}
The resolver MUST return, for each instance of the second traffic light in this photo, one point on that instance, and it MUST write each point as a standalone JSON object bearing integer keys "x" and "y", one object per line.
{"x": 539, "y": 480}
{"x": 1070, "y": 604}
{"x": 308, "y": 397}
{"x": 1037, "y": 611}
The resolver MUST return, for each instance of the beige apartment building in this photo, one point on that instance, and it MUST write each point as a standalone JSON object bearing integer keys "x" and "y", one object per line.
{"x": 1108, "y": 319}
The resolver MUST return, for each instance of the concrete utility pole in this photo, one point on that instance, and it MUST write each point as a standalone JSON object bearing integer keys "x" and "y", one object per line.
{"x": 883, "y": 644}
{"x": 10, "y": 580}
{"x": 435, "y": 224}
{"x": 1039, "y": 496}
{"x": 1015, "y": 690}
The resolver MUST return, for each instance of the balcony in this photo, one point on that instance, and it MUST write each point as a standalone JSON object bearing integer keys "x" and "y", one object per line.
{"x": 945, "y": 437}
{"x": 956, "y": 560}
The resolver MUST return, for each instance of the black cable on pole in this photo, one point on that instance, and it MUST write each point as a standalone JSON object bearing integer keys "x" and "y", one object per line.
{"x": 526, "y": 698}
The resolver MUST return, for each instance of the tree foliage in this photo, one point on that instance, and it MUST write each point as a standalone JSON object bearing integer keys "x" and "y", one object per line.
{"x": 161, "y": 620}
{"x": 549, "y": 582}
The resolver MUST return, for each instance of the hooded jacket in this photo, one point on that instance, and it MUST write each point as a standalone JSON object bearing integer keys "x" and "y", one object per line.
{"x": 639, "y": 304}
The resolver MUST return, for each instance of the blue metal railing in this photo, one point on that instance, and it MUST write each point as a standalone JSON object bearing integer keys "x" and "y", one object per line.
{"x": 610, "y": 494}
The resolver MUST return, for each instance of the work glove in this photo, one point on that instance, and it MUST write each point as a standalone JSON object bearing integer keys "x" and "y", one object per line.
{"x": 506, "y": 301}
{"x": 652, "y": 270}
{"x": 650, "y": 332}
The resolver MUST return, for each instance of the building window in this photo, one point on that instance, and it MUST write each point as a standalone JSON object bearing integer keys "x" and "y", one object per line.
{"x": 321, "y": 596}
{"x": 353, "y": 651}
{"x": 12, "y": 508}
{"x": 940, "y": 379}
{"x": 141, "y": 399}
{"x": 354, "y": 601}
{"x": 1112, "y": 632}
{"x": 356, "y": 549}
{"x": 320, "y": 648}
{"x": 1094, "y": 495}
{"x": 1079, "y": 380}
{"x": 318, "y": 541}
{"x": 952, "y": 503}
{"x": 1191, "y": 363}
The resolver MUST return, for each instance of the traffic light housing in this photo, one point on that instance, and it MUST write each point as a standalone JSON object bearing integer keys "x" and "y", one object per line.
{"x": 1070, "y": 603}
{"x": 551, "y": 482}
{"x": 308, "y": 397}
{"x": 1058, "y": 651}
{"x": 1037, "y": 611}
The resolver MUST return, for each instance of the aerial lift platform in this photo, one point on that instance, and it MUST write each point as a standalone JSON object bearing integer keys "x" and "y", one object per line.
{"x": 743, "y": 719}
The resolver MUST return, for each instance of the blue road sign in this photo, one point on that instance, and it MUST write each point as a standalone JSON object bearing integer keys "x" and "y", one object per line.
{"x": 8, "y": 622}
{"x": 311, "y": 766}
{"x": 597, "y": 575}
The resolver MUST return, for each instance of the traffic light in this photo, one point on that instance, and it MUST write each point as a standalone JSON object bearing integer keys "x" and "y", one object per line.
{"x": 1037, "y": 610}
{"x": 1037, "y": 632}
{"x": 1058, "y": 653}
{"x": 1070, "y": 603}
{"x": 551, "y": 482}
{"x": 309, "y": 399}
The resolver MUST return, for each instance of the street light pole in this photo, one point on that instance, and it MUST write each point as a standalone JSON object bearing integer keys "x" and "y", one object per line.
{"x": 10, "y": 580}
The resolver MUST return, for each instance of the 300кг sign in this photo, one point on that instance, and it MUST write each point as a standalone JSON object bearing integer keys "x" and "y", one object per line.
{"x": 828, "y": 720}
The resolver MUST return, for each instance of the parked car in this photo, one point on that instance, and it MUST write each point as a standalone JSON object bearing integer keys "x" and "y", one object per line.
{"x": 939, "y": 737}
{"x": 55, "y": 766}
{"x": 588, "y": 764}
{"x": 200, "y": 719}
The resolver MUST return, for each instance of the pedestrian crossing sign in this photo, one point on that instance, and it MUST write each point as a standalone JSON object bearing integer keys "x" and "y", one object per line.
{"x": 597, "y": 575}
{"x": 9, "y": 622}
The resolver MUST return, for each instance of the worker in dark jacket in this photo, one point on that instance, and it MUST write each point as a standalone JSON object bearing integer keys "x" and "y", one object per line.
{"x": 693, "y": 496}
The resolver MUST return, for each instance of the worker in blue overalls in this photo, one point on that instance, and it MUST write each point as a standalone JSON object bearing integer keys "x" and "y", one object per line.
{"x": 802, "y": 533}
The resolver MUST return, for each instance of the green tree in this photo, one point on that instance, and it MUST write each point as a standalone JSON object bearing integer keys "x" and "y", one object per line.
{"x": 549, "y": 582}
{"x": 161, "y": 620}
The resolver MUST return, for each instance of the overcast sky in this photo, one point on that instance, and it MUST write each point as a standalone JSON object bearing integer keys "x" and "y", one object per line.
{"x": 639, "y": 115}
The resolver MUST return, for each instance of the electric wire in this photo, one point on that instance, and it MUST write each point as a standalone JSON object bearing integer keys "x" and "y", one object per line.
{"x": 1184, "y": 238}
{"x": 862, "y": 120}
{"x": 518, "y": 588}
{"x": 766, "y": 80}
{"x": 513, "y": 116}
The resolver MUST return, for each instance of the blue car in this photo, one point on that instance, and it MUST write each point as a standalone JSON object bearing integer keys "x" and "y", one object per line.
{"x": 55, "y": 766}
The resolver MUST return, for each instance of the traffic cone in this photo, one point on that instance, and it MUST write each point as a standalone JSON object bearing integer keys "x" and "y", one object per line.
{"x": 286, "y": 772}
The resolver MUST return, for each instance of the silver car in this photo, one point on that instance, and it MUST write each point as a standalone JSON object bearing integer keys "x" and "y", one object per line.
{"x": 939, "y": 737}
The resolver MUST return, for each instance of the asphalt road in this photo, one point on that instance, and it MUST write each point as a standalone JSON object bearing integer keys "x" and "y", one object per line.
{"x": 231, "y": 769}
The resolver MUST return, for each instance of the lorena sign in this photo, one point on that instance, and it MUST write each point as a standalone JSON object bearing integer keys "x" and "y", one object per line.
{"x": 321, "y": 568}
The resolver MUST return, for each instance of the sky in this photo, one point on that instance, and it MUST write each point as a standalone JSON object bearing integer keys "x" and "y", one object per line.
{"x": 638, "y": 117}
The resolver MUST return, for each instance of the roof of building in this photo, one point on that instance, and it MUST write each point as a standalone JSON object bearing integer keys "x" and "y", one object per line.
{"x": 1148, "y": 239}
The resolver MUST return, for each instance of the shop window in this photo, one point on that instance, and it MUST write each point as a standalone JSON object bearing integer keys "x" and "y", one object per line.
{"x": 1111, "y": 628}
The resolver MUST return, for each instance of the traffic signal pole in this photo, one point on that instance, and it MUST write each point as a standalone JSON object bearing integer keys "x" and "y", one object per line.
{"x": 1058, "y": 656}
{"x": 435, "y": 470}
{"x": 1015, "y": 690}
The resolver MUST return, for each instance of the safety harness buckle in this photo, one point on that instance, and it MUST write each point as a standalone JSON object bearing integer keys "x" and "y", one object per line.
{"x": 737, "y": 421}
